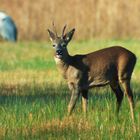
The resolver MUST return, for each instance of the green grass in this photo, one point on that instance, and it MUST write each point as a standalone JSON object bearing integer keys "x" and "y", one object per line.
{"x": 34, "y": 96}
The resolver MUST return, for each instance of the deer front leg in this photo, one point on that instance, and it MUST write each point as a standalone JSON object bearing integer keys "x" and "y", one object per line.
{"x": 74, "y": 97}
{"x": 84, "y": 100}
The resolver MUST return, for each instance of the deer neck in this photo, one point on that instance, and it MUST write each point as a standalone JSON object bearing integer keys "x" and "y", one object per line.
{"x": 63, "y": 64}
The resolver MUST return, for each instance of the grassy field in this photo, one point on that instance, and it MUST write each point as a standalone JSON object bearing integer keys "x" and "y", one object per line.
{"x": 34, "y": 96}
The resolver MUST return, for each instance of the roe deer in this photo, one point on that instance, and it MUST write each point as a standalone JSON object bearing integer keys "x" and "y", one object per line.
{"x": 113, "y": 66}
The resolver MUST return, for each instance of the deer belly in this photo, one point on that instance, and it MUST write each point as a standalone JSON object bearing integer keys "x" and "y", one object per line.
{"x": 103, "y": 76}
{"x": 98, "y": 81}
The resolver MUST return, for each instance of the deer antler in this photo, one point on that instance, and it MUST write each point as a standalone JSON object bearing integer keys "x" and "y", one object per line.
{"x": 63, "y": 31}
{"x": 54, "y": 28}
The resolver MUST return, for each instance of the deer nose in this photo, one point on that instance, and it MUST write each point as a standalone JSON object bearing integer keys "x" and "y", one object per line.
{"x": 59, "y": 52}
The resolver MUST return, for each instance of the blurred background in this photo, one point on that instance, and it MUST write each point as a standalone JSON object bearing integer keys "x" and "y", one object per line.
{"x": 91, "y": 18}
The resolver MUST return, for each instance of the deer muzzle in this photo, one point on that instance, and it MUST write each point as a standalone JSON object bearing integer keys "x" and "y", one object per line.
{"x": 59, "y": 53}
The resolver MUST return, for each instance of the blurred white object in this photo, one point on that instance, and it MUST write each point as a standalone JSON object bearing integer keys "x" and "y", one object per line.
{"x": 8, "y": 30}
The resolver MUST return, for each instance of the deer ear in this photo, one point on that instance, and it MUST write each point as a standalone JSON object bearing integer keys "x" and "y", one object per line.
{"x": 68, "y": 36}
{"x": 52, "y": 35}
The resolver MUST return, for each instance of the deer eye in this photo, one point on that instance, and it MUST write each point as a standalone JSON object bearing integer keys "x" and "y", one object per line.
{"x": 63, "y": 44}
{"x": 54, "y": 45}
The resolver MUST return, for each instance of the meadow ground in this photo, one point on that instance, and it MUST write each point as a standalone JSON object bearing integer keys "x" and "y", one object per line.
{"x": 34, "y": 96}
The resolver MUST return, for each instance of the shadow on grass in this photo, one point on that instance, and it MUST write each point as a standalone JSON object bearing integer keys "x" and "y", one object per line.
{"x": 29, "y": 94}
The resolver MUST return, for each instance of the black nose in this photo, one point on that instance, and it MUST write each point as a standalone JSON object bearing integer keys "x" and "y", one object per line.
{"x": 59, "y": 52}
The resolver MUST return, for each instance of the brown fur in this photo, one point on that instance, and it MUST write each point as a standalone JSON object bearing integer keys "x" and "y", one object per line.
{"x": 106, "y": 66}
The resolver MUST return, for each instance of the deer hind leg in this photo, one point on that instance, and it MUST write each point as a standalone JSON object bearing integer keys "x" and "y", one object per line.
{"x": 119, "y": 95}
{"x": 128, "y": 92}
{"x": 84, "y": 100}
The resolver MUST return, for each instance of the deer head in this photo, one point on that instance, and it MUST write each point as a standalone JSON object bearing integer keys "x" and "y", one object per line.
{"x": 60, "y": 43}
